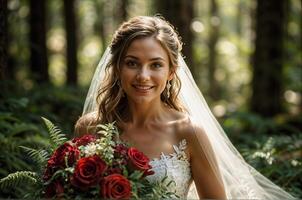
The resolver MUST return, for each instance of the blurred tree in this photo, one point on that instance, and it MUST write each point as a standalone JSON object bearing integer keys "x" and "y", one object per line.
{"x": 239, "y": 17}
{"x": 293, "y": 55}
{"x": 99, "y": 25}
{"x": 180, "y": 13}
{"x": 122, "y": 10}
{"x": 3, "y": 38}
{"x": 71, "y": 38}
{"x": 214, "y": 36}
{"x": 38, "y": 57}
{"x": 268, "y": 58}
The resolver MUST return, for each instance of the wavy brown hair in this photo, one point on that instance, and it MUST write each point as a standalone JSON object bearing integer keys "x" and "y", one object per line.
{"x": 111, "y": 99}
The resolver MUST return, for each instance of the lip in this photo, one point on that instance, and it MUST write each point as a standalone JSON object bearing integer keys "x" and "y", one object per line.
{"x": 142, "y": 88}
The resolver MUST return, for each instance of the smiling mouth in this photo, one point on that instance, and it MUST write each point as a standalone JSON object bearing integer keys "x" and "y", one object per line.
{"x": 142, "y": 88}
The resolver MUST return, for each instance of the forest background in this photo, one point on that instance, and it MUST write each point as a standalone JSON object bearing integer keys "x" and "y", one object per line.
{"x": 246, "y": 57}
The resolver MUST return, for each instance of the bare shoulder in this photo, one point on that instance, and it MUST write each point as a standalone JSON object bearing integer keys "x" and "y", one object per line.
{"x": 86, "y": 124}
{"x": 187, "y": 128}
{"x": 193, "y": 133}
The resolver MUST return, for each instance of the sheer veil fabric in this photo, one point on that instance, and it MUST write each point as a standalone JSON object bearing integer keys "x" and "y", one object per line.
{"x": 241, "y": 181}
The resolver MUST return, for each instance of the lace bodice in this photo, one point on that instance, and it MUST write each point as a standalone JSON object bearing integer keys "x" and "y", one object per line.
{"x": 177, "y": 168}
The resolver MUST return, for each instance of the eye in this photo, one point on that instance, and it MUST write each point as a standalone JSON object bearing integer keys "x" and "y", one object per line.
{"x": 131, "y": 63}
{"x": 157, "y": 65}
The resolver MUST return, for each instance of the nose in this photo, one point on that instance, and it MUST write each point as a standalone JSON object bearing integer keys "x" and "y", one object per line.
{"x": 143, "y": 74}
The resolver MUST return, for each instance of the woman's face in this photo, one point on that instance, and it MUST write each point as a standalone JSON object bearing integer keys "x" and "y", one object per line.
{"x": 145, "y": 70}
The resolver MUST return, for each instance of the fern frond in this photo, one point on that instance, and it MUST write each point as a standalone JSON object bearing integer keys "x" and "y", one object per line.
{"x": 18, "y": 178}
{"x": 39, "y": 156}
{"x": 56, "y": 137}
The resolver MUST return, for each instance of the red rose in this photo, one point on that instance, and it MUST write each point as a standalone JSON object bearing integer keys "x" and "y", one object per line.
{"x": 88, "y": 172}
{"x": 84, "y": 140}
{"x": 115, "y": 186}
{"x": 139, "y": 161}
{"x": 54, "y": 189}
{"x": 66, "y": 150}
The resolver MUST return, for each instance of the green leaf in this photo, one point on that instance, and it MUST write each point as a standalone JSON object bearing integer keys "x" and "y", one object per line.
{"x": 55, "y": 133}
{"x": 18, "y": 178}
{"x": 136, "y": 175}
{"x": 38, "y": 156}
{"x": 55, "y": 175}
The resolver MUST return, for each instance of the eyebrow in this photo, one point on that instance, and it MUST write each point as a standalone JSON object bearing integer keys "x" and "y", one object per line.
{"x": 136, "y": 58}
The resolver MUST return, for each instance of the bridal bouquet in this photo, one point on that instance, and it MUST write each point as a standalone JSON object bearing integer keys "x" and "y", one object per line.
{"x": 91, "y": 166}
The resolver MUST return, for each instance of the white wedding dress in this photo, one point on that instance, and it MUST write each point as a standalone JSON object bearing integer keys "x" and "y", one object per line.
{"x": 176, "y": 167}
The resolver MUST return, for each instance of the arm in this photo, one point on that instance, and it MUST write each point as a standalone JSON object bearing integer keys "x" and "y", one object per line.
{"x": 204, "y": 167}
{"x": 86, "y": 124}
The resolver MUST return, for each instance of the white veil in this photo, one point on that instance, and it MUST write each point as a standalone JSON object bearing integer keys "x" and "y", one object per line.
{"x": 241, "y": 181}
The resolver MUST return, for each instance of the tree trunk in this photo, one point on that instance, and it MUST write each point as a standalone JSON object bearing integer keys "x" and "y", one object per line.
{"x": 300, "y": 51}
{"x": 122, "y": 10}
{"x": 214, "y": 35}
{"x": 180, "y": 13}
{"x": 239, "y": 16}
{"x": 71, "y": 37}
{"x": 3, "y": 39}
{"x": 99, "y": 26}
{"x": 38, "y": 57}
{"x": 268, "y": 58}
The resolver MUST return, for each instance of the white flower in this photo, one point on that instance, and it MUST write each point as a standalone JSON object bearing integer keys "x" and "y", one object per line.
{"x": 90, "y": 149}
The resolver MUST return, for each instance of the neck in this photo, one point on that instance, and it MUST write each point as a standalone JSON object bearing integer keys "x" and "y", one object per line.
{"x": 141, "y": 115}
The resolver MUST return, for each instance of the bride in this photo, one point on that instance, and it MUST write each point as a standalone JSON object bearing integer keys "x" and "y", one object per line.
{"x": 143, "y": 84}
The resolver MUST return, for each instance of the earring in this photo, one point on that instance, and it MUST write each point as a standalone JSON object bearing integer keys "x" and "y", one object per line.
{"x": 168, "y": 86}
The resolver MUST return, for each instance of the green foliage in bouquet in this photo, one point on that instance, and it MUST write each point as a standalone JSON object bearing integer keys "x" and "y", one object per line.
{"x": 107, "y": 141}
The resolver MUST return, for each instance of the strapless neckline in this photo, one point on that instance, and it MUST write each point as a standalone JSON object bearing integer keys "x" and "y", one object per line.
{"x": 176, "y": 167}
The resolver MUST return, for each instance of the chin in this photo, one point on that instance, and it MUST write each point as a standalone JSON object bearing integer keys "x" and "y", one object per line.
{"x": 141, "y": 99}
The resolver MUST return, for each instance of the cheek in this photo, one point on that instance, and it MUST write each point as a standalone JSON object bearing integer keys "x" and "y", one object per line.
{"x": 163, "y": 77}
{"x": 162, "y": 81}
{"x": 125, "y": 77}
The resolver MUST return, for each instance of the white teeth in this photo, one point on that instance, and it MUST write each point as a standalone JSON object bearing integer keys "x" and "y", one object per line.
{"x": 142, "y": 87}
